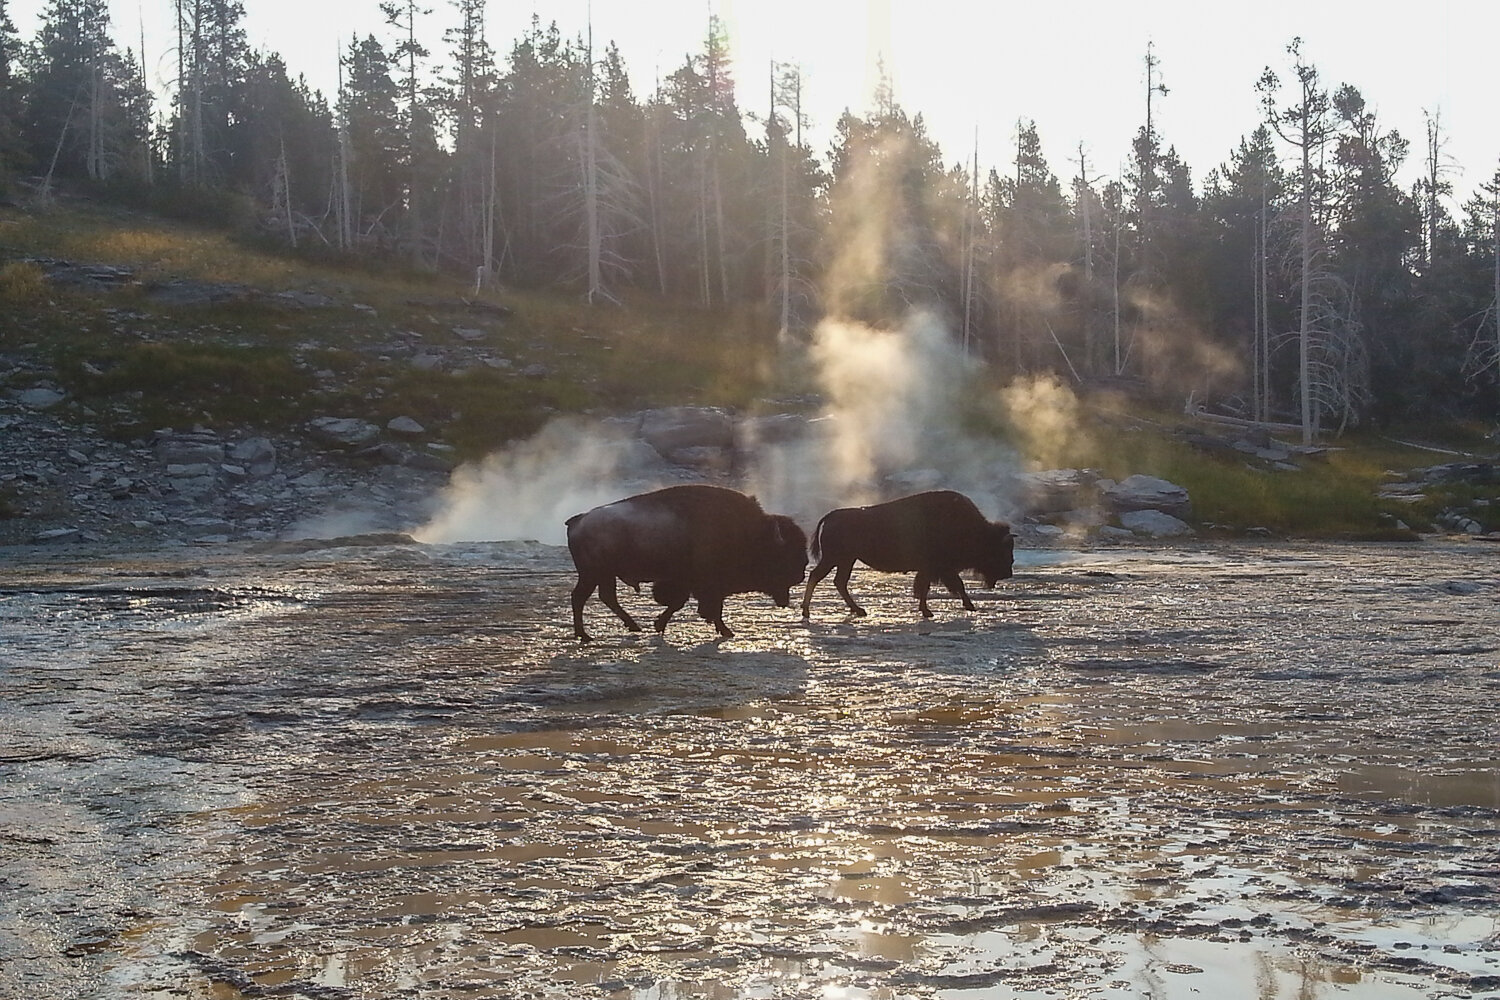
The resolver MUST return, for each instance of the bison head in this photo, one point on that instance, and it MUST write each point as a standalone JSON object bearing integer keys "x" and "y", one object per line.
{"x": 785, "y": 563}
{"x": 997, "y": 556}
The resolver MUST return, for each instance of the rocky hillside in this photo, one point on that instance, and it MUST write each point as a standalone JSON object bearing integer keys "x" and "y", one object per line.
{"x": 162, "y": 385}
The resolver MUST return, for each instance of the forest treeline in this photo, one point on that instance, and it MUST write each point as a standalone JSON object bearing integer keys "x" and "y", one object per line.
{"x": 1297, "y": 282}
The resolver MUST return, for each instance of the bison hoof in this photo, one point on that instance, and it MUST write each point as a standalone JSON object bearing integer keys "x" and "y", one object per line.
{"x": 926, "y": 612}
{"x": 634, "y": 627}
{"x": 583, "y": 637}
{"x": 857, "y": 612}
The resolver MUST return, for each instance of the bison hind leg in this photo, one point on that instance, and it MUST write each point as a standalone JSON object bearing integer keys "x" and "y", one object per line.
{"x": 841, "y": 583}
{"x": 819, "y": 571}
{"x": 581, "y": 592}
{"x": 611, "y": 600}
{"x": 920, "y": 590}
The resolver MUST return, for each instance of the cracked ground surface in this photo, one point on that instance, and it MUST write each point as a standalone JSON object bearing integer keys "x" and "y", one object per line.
{"x": 381, "y": 771}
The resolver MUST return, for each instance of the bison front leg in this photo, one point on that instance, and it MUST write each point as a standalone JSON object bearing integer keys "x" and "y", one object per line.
{"x": 671, "y": 595}
{"x": 612, "y": 601}
{"x": 711, "y": 610}
{"x": 955, "y": 585}
{"x": 841, "y": 581}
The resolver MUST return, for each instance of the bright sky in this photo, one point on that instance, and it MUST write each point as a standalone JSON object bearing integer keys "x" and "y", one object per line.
{"x": 1077, "y": 69}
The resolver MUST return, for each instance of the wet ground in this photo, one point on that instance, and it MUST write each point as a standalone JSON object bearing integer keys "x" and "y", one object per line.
{"x": 1245, "y": 770}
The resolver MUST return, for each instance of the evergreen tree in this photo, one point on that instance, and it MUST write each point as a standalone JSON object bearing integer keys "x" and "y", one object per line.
{"x": 11, "y": 153}
{"x": 86, "y": 112}
{"x": 1377, "y": 238}
{"x": 885, "y": 256}
{"x": 467, "y": 101}
{"x": 1242, "y": 202}
{"x": 284, "y": 148}
{"x": 421, "y": 160}
{"x": 375, "y": 141}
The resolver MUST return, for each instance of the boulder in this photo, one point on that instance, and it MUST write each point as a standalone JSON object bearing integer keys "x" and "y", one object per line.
{"x": 1154, "y": 524}
{"x": 1146, "y": 493}
{"x": 256, "y": 455}
{"x": 775, "y": 428}
{"x": 172, "y": 449}
{"x": 40, "y": 398}
{"x": 343, "y": 432}
{"x": 674, "y": 428}
{"x": 186, "y": 292}
{"x": 405, "y": 425}
{"x": 1054, "y": 491}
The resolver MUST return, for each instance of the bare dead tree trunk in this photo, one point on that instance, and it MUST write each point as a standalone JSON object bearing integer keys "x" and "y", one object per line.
{"x": 284, "y": 192}
{"x": 345, "y": 208}
{"x": 1304, "y": 333}
{"x": 1264, "y": 332}
{"x": 1084, "y": 194}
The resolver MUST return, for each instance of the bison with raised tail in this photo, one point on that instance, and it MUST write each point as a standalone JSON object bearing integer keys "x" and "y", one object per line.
{"x": 937, "y": 534}
{"x": 688, "y": 541}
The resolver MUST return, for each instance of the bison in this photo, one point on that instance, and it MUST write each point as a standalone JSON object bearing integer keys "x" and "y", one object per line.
{"x": 689, "y": 541}
{"x": 936, "y": 534}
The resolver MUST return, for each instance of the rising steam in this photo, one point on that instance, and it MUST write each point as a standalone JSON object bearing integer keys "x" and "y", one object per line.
{"x": 528, "y": 490}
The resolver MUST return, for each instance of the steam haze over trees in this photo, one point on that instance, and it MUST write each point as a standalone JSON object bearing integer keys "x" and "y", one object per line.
{"x": 1298, "y": 280}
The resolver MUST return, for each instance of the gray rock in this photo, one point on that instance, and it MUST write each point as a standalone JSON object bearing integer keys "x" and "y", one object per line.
{"x": 345, "y": 432}
{"x": 1155, "y": 524}
{"x": 56, "y": 535}
{"x": 39, "y": 398}
{"x": 426, "y": 362}
{"x": 1109, "y": 533}
{"x": 302, "y": 299}
{"x": 405, "y": 425}
{"x": 257, "y": 455}
{"x": 1053, "y": 491}
{"x": 536, "y": 371}
{"x": 674, "y": 428}
{"x": 194, "y": 470}
{"x": 705, "y": 459}
{"x": 775, "y": 428}
{"x": 185, "y": 292}
{"x": 174, "y": 450}
{"x": 1147, "y": 493}
{"x": 468, "y": 333}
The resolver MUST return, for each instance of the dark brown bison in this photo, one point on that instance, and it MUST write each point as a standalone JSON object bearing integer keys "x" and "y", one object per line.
{"x": 688, "y": 541}
{"x": 936, "y": 534}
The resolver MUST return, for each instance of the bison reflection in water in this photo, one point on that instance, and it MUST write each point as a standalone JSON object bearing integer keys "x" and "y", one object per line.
{"x": 688, "y": 541}
{"x": 937, "y": 534}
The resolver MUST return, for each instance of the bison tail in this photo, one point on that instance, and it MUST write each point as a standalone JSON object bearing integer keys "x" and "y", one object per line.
{"x": 815, "y": 545}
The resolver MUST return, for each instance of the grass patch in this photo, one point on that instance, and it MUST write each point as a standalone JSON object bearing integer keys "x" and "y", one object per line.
{"x": 21, "y": 283}
{"x": 159, "y": 384}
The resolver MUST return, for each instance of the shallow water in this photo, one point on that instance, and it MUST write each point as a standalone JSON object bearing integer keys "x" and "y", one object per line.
{"x": 1260, "y": 771}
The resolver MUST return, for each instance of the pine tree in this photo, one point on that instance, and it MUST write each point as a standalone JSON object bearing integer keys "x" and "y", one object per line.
{"x": 421, "y": 159}
{"x": 12, "y": 156}
{"x": 86, "y": 113}
{"x": 375, "y": 141}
